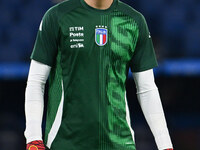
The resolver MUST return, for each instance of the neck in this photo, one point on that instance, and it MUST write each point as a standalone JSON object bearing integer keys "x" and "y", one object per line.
{"x": 99, "y": 4}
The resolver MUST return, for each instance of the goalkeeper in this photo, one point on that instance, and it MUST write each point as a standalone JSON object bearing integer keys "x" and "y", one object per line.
{"x": 86, "y": 48}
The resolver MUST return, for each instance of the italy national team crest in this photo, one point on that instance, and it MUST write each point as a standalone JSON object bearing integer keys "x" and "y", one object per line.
{"x": 101, "y": 35}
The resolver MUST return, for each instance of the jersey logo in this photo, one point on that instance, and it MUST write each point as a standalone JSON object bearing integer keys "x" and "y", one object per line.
{"x": 149, "y": 35}
{"x": 101, "y": 35}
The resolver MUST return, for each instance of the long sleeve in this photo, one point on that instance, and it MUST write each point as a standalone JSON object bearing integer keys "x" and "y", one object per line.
{"x": 34, "y": 100}
{"x": 149, "y": 100}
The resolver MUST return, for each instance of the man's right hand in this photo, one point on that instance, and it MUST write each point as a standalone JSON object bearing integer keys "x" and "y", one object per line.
{"x": 35, "y": 145}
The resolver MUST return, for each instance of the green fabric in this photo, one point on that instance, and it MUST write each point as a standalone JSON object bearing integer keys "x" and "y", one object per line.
{"x": 55, "y": 94}
{"x": 94, "y": 77}
{"x": 45, "y": 49}
{"x": 118, "y": 54}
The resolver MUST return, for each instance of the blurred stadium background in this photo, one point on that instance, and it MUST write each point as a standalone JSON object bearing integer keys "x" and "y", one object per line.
{"x": 175, "y": 28}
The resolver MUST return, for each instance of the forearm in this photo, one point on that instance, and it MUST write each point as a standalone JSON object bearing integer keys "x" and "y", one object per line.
{"x": 34, "y": 101}
{"x": 151, "y": 105}
{"x": 153, "y": 112}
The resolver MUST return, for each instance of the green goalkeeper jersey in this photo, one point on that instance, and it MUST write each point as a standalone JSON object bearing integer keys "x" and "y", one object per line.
{"x": 90, "y": 52}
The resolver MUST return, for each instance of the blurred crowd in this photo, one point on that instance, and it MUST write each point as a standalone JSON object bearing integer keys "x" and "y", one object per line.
{"x": 175, "y": 26}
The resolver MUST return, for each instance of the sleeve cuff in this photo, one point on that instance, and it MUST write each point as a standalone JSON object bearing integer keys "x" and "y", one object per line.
{"x": 164, "y": 142}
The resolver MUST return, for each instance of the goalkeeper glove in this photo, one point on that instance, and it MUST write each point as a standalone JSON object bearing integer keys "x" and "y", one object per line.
{"x": 35, "y": 145}
{"x": 169, "y": 149}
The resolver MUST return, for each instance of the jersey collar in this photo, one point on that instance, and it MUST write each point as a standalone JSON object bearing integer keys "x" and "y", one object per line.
{"x": 112, "y": 7}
